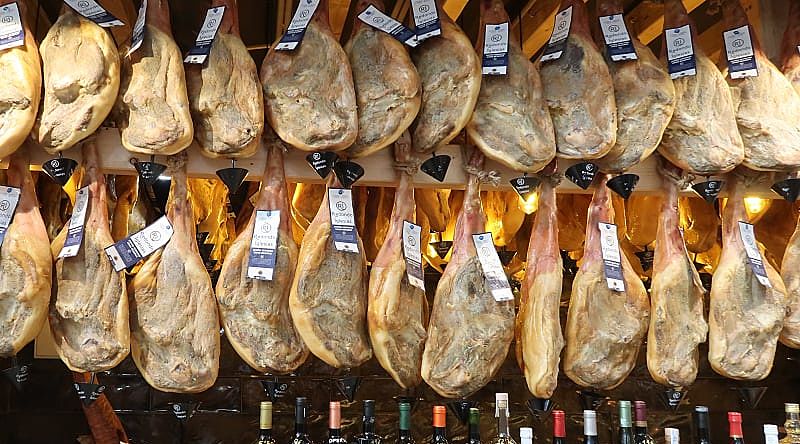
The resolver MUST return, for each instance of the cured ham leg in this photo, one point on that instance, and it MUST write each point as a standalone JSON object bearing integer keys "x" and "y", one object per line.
{"x": 745, "y": 318}
{"x": 470, "y": 332}
{"x": 397, "y": 310}
{"x": 225, "y": 94}
{"x": 89, "y": 312}
{"x": 255, "y": 313}
{"x": 511, "y": 123}
{"x": 677, "y": 324}
{"x": 25, "y": 265}
{"x": 605, "y": 328}
{"x": 175, "y": 329}
{"x": 153, "y": 107}
{"x": 790, "y": 272}
{"x": 790, "y": 53}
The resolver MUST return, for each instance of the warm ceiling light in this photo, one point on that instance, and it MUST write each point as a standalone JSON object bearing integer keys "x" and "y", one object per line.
{"x": 530, "y": 204}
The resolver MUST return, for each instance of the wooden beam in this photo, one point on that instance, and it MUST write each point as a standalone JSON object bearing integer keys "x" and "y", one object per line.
{"x": 647, "y": 18}
{"x": 454, "y": 8}
{"x": 535, "y": 24}
{"x": 400, "y": 10}
{"x": 337, "y": 12}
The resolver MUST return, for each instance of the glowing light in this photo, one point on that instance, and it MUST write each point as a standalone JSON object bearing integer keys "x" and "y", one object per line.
{"x": 531, "y": 204}
{"x": 755, "y": 206}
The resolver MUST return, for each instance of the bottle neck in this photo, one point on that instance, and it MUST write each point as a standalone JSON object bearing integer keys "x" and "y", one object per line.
{"x": 405, "y": 423}
{"x": 265, "y": 435}
{"x": 502, "y": 423}
{"x": 474, "y": 432}
{"x": 641, "y": 427}
{"x": 300, "y": 421}
{"x": 440, "y": 432}
{"x": 736, "y": 430}
{"x": 368, "y": 424}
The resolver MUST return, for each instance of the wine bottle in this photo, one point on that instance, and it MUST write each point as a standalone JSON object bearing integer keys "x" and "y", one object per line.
{"x": 770, "y": 434}
{"x": 625, "y": 423}
{"x": 559, "y": 427}
{"x": 335, "y": 423}
{"x": 525, "y": 435}
{"x": 672, "y": 436}
{"x": 735, "y": 424}
{"x": 701, "y": 424}
{"x": 590, "y": 427}
{"x": 404, "y": 434}
{"x": 265, "y": 424}
{"x": 300, "y": 430}
{"x": 501, "y": 413}
{"x": 368, "y": 435}
{"x": 640, "y": 433}
{"x": 792, "y": 424}
{"x": 474, "y": 426}
{"x": 439, "y": 425}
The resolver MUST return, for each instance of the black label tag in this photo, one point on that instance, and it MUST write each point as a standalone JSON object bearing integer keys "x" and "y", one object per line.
{"x": 184, "y": 410}
{"x": 232, "y": 178}
{"x": 751, "y": 396}
{"x": 442, "y": 247}
{"x": 149, "y": 172}
{"x": 88, "y": 392}
{"x": 60, "y": 169}
{"x": 646, "y": 259}
{"x": 624, "y": 184}
{"x": 275, "y": 390}
{"x": 672, "y": 398}
{"x": 591, "y": 400}
{"x": 788, "y": 189}
{"x": 17, "y": 375}
{"x": 348, "y": 172}
{"x": 582, "y": 174}
{"x": 506, "y": 256}
{"x": 525, "y": 186}
{"x": 322, "y": 162}
{"x": 348, "y": 386}
{"x": 461, "y": 409}
{"x": 436, "y": 167}
{"x": 708, "y": 190}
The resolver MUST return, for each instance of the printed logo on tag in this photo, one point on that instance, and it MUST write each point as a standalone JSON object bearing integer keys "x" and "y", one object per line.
{"x": 492, "y": 267}
{"x": 138, "y": 29}
{"x": 740, "y": 54}
{"x": 9, "y": 198}
{"x": 426, "y": 19}
{"x": 558, "y": 39}
{"x": 753, "y": 253}
{"x": 618, "y": 42}
{"x": 495, "y": 49}
{"x": 343, "y": 221}
{"x": 379, "y": 20}
{"x": 208, "y": 32}
{"x": 264, "y": 245}
{"x": 612, "y": 263}
{"x": 413, "y": 254}
{"x": 680, "y": 52}
{"x": 297, "y": 27}
{"x": 72, "y": 244}
{"x": 88, "y": 393}
{"x": 129, "y": 251}
{"x": 92, "y": 10}
{"x": 12, "y": 34}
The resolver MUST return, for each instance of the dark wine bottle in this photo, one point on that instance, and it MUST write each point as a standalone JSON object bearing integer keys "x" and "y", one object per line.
{"x": 265, "y": 424}
{"x": 625, "y": 423}
{"x": 501, "y": 413}
{"x": 300, "y": 430}
{"x": 559, "y": 427}
{"x": 735, "y": 425}
{"x": 701, "y": 424}
{"x": 404, "y": 434}
{"x": 335, "y": 423}
{"x": 439, "y": 425}
{"x": 590, "y": 427}
{"x": 368, "y": 435}
{"x": 640, "y": 433}
{"x": 474, "y": 425}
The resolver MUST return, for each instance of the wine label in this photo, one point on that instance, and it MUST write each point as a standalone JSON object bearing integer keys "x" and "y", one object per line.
{"x": 129, "y": 251}
{"x": 9, "y": 198}
{"x": 619, "y": 45}
{"x": 92, "y": 10}
{"x": 264, "y": 245}
{"x": 72, "y": 244}
{"x": 138, "y": 29}
{"x": 753, "y": 253}
{"x": 426, "y": 19}
{"x": 297, "y": 27}
{"x": 205, "y": 38}
{"x": 379, "y": 20}
{"x": 680, "y": 52}
{"x": 412, "y": 253}
{"x": 343, "y": 220}
{"x": 558, "y": 39}
{"x": 739, "y": 52}
{"x": 492, "y": 267}
{"x": 495, "y": 49}
{"x": 612, "y": 263}
{"x": 12, "y": 34}
{"x": 88, "y": 392}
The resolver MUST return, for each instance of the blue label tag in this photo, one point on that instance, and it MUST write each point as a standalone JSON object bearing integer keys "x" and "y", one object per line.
{"x": 612, "y": 260}
{"x": 426, "y": 19}
{"x": 618, "y": 42}
{"x": 680, "y": 52}
{"x": 9, "y": 197}
{"x": 739, "y": 53}
{"x": 379, "y": 20}
{"x": 297, "y": 27}
{"x": 495, "y": 49}
{"x": 202, "y": 45}
{"x": 11, "y": 32}
{"x": 264, "y": 245}
{"x": 343, "y": 221}
{"x": 129, "y": 251}
{"x": 92, "y": 10}
{"x": 558, "y": 39}
{"x": 75, "y": 227}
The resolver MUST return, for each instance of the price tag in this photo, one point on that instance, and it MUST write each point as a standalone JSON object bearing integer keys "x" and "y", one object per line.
{"x": 88, "y": 392}
{"x": 680, "y": 52}
{"x": 92, "y": 10}
{"x": 264, "y": 245}
{"x": 740, "y": 54}
{"x": 129, "y": 251}
{"x": 612, "y": 263}
{"x": 12, "y": 34}
{"x": 413, "y": 255}
{"x": 753, "y": 254}
{"x": 558, "y": 39}
{"x": 343, "y": 221}
{"x": 618, "y": 42}
{"x": 208, "y": 32}
{"x": 297, "y": 27}
{"x": 426, "y": 19}
{"x": 495, "y": 49}
{"x": 138, "y": 29}
{"x": 379, "y": 20}
{"x": 9, "y": 198}
{"x": 72, "y": 244}
{"x": 492, "y": 267}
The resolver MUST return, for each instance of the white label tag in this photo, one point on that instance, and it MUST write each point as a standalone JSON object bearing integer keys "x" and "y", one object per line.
{"x": 739, "y": 51}
{"x": 680, "y": 52}
{"x": 612, "y": 262}
{"x": 753, "y": 254}
{"x": 72, "y": 244}
{"x": 11, "y": 32}
{"x": 492, "y": 267}
{"x": 138, "y": 29}
{"x": 129, "y": 251}
{"x": 495, "y": 49}
{"x": 205, "y": 38}
{"x": 558, "y": 39}
{"x": 343, "y": 220}
{"x": 297, "y": 27}
{"x": 91, "y": 10}
{"x": 264, "y": 245}
{"x": 618, "y": 42}
{"x": 426, "y": 19}
{"x": 379, "y": 20}
{"x": 9, "y": 198}
{"x": 672, "y": 435}
{"x": 413, "y": 255}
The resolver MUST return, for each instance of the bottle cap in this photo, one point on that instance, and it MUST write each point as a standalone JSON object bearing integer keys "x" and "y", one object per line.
{"x": 701, "y": 416}
{"x": 439, "y": 416}
{"x": 559, "y": 429}
{"x": 625, "y": 414}
{"x": 735, "y": 423}
{"x": 334, "y": 415}
{"x": 672, "y": 436}
{"x": 792, "y": 408}
{"x": 526, "y": 434}
{"x": 300, "y": 401}
{"x": 369, "y": 407}
{"x": 734, "y": 417}
{"x": 266, "y": 415}
{"x": 404, "y": 406}
{"x": 701, "y": 409}
{"x": 501, "y": 402}
{"x": 474, "y": 416}
{"x": 590, "y": 423}
{"x": 641, "y": 411}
